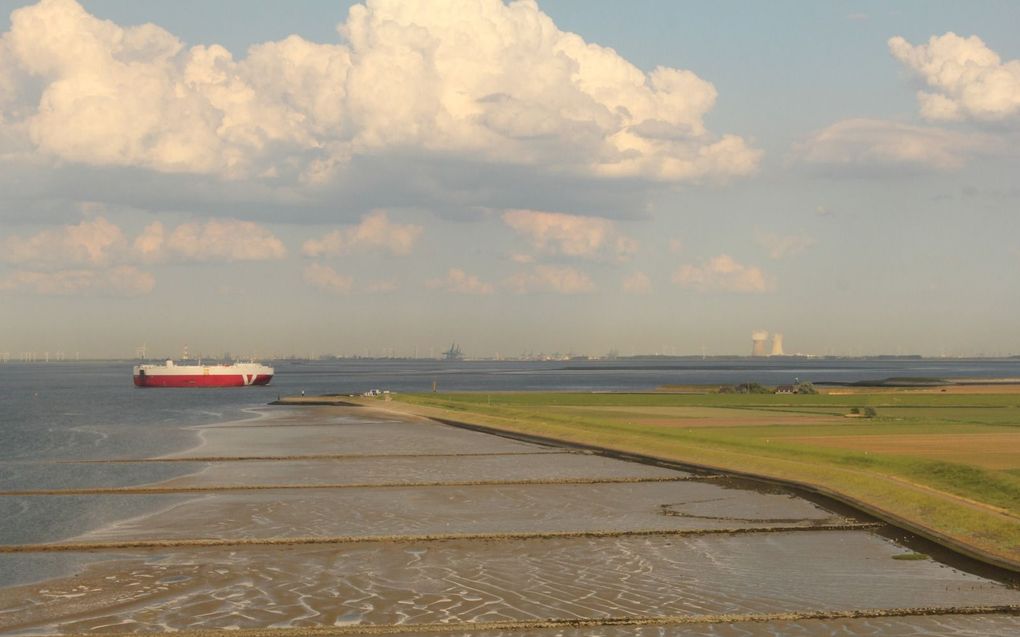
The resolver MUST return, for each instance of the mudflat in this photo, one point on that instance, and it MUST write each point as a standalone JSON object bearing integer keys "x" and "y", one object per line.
{"x": 943, "y": 464}
{"x": 363, "y": 520}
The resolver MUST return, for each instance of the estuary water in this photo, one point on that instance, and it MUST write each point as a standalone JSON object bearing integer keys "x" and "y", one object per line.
{"x": 79, "y": 411}
{"x": 57, "y": 417}
{"x": 436, "y": 524}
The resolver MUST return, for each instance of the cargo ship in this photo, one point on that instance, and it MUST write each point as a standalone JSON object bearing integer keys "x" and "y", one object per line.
{"x": 171, "y": 374}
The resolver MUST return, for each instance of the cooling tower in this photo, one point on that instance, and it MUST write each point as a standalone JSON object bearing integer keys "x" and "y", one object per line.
{"x": 759, "y": 339}
{"x": 777, "y": 345}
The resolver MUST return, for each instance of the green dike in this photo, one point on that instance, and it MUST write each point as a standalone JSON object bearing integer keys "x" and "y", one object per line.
{"x": 971, "y": 505}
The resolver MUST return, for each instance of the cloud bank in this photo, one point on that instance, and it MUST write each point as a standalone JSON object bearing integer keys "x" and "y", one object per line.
{"x": 478, "y": 80}
{"x": 221, "y": 240}
{"x": 94, "y": 242}
{"x": 95, "y": 256}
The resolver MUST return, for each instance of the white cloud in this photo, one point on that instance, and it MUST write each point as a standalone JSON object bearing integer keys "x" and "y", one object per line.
{"x": 148, "y": 245}
{"x": 210, "y": 240}
{"x": 98, "y": 242}
{"x": 136, "y": 96}
{"x": 968, "y": 79}
{"x": 122, "y": 280}
{"x": 105, "y": 260}
{"x": 721, "y": 273}
{"x": 781, "y": 246}
{"x": 868, "y": 146}
{"x": 479, "y": 80}
{"x": 375, "y": 232}
{"x": 458, "y": 281}
{"x": 95, "y": 243}
{"x": 547, "y": 278}
{"x": 326, "y": 278}
{"x": 637, "y": 283}
{"x": 571, "y": 235}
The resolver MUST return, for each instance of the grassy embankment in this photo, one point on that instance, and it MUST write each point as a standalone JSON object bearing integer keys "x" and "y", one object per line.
{"x": 945, "y": 462}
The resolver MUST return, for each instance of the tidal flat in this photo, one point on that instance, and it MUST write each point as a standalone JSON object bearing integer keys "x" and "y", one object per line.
{"x": 942, "y": 462}
{"x": 347, "y": 518}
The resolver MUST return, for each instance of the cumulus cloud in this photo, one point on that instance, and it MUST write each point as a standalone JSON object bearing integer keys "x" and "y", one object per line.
{"x": 571, "y": 235}
{"x": 781, "y": 246}
{"x": 637, "y": 283}
{"x": 479, "y": 80}
{"x": 148, "y": 245}
{"x": 136, "y": 96}
{"x": 458, "y": 281}
{"x": 547, "y": 278}
{"x": 106, "y": 261}
{"x": 211, "y": 240}
{"x": 871, "y": 146}
{"x": 122, "y": 280}
{"x": 968, "y": 79}
{"x": 92, "y": 242}
{"x": 375, "y": 232}
{"x": 98, "y": 242}
{"x": 721, "y": 274}
{"x": 326, "y": 278}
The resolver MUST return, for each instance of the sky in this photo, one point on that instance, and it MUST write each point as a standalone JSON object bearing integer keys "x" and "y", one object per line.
{"x": 570, "y": 176}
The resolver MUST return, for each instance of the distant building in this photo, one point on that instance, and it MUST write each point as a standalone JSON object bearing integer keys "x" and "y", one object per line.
{"x": 759, "y": 339}
{"x": 777, "y": 345}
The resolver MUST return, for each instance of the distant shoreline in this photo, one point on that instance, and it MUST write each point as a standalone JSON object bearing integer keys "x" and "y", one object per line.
{"x": 538, "y": 359}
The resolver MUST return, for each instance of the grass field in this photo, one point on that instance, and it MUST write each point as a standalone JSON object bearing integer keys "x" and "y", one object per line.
{"x": 949, "y": 462}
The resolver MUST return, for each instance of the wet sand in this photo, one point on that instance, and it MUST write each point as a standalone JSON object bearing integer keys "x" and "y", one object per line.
{"x": 350, "y": 431}
{"x": 660, "y": 506}
{"x": 585, "y": 542}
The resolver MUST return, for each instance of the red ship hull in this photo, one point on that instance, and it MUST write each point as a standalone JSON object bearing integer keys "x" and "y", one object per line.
{"x": 200, "y": 380}
{"x": 171, "y": 374}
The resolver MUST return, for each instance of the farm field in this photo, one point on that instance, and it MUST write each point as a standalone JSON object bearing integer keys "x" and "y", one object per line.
{"x": 947, "y": 463}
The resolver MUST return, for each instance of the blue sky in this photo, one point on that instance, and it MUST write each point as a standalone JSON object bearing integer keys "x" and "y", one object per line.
{"x": 842, "y": 173}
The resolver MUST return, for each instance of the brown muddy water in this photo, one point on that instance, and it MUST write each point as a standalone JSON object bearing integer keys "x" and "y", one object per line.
{"x": 348, "y": 519}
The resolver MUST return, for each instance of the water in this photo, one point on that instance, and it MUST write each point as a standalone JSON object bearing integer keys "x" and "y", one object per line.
{"x": 54, "y": 414}
{"x": 56, "y": 418}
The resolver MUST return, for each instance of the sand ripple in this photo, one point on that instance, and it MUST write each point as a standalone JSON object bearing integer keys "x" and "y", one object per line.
{"x": 494, "y": 581}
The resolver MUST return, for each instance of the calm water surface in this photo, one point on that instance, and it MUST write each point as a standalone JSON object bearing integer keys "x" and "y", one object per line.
{"x": 54, "y": 414}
